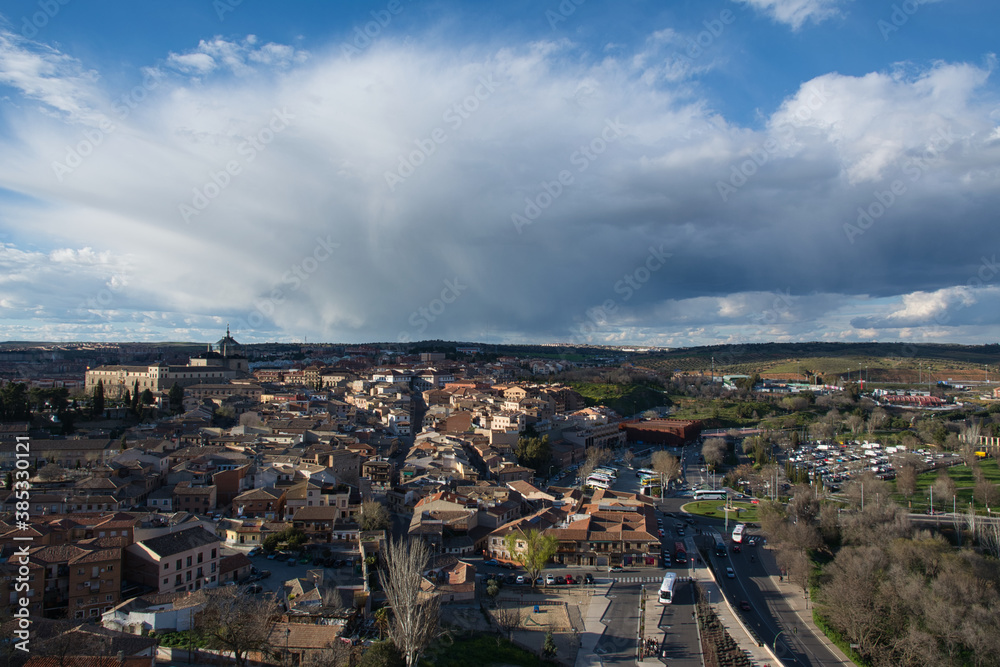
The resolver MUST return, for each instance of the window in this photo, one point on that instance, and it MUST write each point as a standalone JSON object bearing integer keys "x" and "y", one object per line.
{"x": 179, "y": 561}
{"x": 178, "y": 580}
{"x": 189, "y": 561}
{"x": 93, "y": 612}
{"x": 200, "y": 555}
{"x": 166, "y": 566}
{"x": 188, "y": 577}
{"x": 95, "y": 571}
{"x": 111, "y": 568}
{"x": 166, "y": 580}
{"x": 212, "y": 568}
{"x": 78, "y": 614}
{"x": 109, "y": 598}
{"x": 213, "y": 553}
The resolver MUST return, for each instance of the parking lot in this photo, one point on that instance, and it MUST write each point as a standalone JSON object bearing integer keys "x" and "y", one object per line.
{"x": 836, "y": 464}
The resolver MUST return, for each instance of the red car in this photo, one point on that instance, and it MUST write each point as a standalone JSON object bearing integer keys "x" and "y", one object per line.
{"x": 744, "y": 605}
{"x": 569, "y": 579}
{"x": 737, "y": 548}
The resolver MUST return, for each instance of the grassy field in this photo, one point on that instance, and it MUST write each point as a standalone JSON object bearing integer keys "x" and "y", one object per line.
{"x": 625, "y": 399}
{"x": 964, "y": 481}
{"x": 712, "y": 508}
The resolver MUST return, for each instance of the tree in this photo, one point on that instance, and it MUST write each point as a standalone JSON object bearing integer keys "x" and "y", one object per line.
{"x": 374, "y": 516}
{"x": 906, "y": 479}
{"x": 14, "y": 402}
{"x": 98, "y": 405}
{"x": 714, "y": 450}
{"x": 532, "y": 550}
{"x": 985, "y": 491}
{"x": 334, "y": 654}
{"x": 667, "y": 465}
{"x": 51, "y": 472}
{"x": 238, "y": 623}
{"x": 944, "y": 486}
{"x": 627, "y": 456}
{"x": 877, "y": 420}
{"x": 382, "y": 654}
{"x": 176, "y": 399}
{"x": 414, "y": 614}
{"x": 508, "y": 619}
{"x": 535, "y": 453}
{"x": 549, "y": 647}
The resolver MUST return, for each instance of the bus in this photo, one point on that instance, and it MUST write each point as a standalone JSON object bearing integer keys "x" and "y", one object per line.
{"x": 600, "y": 475}
{"x": 710, "y": 494}
{"x": 680, "y": 553}
{"x": 598, "y": 482}
{"x": 646, "y": 471}
{"x": 720, "y": 549}
{"x": 738, "y": 533}
{"x": 667, "y": 588}
{"x": 610, "y": 472}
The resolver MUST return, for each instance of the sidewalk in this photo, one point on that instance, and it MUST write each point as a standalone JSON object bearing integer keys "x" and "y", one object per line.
{"x": 593, "y": 628}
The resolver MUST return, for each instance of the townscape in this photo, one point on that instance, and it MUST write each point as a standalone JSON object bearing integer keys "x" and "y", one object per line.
{"x": 261, "y": 503}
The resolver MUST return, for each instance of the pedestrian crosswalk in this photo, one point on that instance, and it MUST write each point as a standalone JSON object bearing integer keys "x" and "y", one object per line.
{"x": 643, "y": 580}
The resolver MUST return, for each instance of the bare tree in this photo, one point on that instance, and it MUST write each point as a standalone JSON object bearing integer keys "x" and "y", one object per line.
{"x": 414, "y": 613}
{"x": 986, "y": 492}
{"x": 877, "y": 420}
{"x": 628, "y": 455}
{"x": 944, "y": 486}
{"x": 714, "y": 450}
{"x": 667, "y": 465}
{"x": 237, "y": 623}
{"x": 855, "y": 423}
{"x": 906, "y": 479}
{"x": 334, "y": 654}
{"x": 374, "y": 516}
{"x": 508, "y": 619}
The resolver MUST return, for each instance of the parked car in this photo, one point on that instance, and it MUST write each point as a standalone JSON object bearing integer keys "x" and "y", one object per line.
{"x": 492, "y": 562}
{"x": 569, "y": 578}
{"x": 508, "y": 566}
{"x": 588, "y": 578}
{"x": 264, "y": 574}
{"x": 253, "y": 552}
{"x": 521, "y": 579}
{"x": 272, "y": 555}
{"x": 549, "y": 580}
{"x": 616, "y": 568}
{"x": 730, "y": 573}
{"x": 744, "y": 605}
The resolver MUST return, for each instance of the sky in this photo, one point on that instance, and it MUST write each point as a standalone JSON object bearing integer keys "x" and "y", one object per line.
{"x": 577, "y": 171}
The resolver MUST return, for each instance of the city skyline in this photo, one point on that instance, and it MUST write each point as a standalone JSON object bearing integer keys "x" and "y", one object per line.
{"x": 734, "y": 171}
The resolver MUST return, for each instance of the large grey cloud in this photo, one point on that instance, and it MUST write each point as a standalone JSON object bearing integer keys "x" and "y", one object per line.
{"x": 281, "y": 190}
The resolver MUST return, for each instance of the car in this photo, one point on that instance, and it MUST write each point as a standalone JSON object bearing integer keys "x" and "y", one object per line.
{"x": 680, "y": 531}
{"x": 616, "y": 568}
{"x": 508, "y": 566}
{"x": 272, "y": 555}
{"x": 569, "y": 578}
{"x": 492, "y": 562}
{"x": 539, "y": 581}
{"x": 292, "y": 560}
{"x": 521, "y": 579}
{"x": 264, "y": 574}
{"x": 549, "y": 580}
{"x": 230, "y": 583}
{"x": 730, "y": 573}
{"x": 737, "y": 548}
{"x": 744, "y": 605}
{"x": 588, "y": 578}
{"x": 510, "y": 579}
{"x": 253, "y": 552}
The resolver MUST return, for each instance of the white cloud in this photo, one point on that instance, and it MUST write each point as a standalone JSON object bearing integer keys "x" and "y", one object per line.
{"x": 795, "y": 13}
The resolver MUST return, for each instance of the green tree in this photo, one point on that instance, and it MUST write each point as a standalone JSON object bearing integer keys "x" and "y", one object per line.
{"x": 382, "y": 654}
{"x": 549, "y": 647}
{"x": 535, "y": 453}
{"x": 98, "y": 405}
{"x": 532, "y": 550}
{"x": 14, "y": 402}
{"x": 176, "y": 398}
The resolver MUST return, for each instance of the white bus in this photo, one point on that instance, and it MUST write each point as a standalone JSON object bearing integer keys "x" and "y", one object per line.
{"x": 610, "y": 472}
{"x": 646, "y": 471}
{"x": 710, "y": 494}
{"x": 598, "y": 482}
{"x": 738, "y": 533}
{"x": 667, "y": 588}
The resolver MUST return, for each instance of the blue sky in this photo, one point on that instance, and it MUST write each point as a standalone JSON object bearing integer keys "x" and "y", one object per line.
{"x": 674, "y": 174}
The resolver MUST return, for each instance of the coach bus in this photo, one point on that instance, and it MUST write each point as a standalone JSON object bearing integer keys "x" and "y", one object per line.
{"x": 738, "y": 533}
{"x": 710, "y": 494}
{"x": 646, "y": 471}
{"x": 598, "y": 482}
{"x": 610, "y": 472}
{"x": 667, "y": 588}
